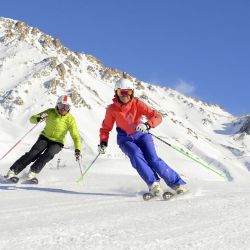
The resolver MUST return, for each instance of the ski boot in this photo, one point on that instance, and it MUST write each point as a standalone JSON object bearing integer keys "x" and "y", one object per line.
{"x": 180, "y": 189}
{"x": 11, "y": 176}
{"x": 32, "y": 178}
{"x": 154, "y": 191}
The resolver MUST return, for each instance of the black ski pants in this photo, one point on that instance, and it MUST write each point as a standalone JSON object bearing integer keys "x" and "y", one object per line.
{"x": 41, "y": 152}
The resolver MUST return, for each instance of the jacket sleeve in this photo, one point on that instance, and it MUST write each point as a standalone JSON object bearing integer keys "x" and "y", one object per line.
{"x": 33, "y": 118}
{"x": 74, "y": 133}
{"x": 154, "y": 118}
{"x": 107, "y": 125}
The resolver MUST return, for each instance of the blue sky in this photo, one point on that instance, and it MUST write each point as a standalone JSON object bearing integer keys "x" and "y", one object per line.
{"x": 200, "y": 47}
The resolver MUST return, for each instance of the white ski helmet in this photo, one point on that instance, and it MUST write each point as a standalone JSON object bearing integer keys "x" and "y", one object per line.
{"x": 124, "y": 83}
{"x": 63, "y": 100}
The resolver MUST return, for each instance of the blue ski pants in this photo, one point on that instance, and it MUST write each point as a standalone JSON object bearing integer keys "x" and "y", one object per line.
{"x": 140, "y": 149}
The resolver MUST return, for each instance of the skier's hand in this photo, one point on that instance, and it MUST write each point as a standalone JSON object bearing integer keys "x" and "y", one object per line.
{"x": 42, "y": 117}
{"x": 143, "y": 127}
{"x": 77, "y": 154}
{"x": 102, "y": 147}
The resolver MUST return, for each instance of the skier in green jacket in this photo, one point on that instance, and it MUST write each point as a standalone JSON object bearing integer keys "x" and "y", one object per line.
{"x": 51, "y": 140}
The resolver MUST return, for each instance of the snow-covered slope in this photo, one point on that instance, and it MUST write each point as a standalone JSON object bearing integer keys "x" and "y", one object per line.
{"x": 106, "y": 210}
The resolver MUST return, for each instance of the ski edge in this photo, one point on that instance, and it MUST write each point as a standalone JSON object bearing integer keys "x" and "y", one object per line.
{"x": 31, "y": 181}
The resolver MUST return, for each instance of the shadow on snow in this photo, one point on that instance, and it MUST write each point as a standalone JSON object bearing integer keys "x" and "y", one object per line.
{"x": 63, "y": 191}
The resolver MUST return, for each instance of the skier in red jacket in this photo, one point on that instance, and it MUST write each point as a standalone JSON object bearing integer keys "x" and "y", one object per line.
{"x": 135, "y": 141}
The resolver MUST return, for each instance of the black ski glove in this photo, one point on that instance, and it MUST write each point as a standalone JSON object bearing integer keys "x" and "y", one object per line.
{"x": 42, "y": 117}
{"x": 77, "y": 154}
{"x": 102, "y": 147}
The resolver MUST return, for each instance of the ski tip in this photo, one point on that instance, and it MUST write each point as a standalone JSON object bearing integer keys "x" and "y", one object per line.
{"x": 147, "y": 196}
{"x": 167, "y": 195}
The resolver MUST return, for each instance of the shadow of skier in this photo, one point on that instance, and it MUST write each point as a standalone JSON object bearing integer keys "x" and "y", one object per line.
{"x": 63, "y": 191}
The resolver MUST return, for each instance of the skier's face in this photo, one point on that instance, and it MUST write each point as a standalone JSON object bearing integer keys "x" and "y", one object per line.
{"x": 63, "y": 109}
{"x": 124, "y": 95}
{"x": 125, "y": 99}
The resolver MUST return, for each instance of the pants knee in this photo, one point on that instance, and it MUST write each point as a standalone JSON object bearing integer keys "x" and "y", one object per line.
{"x": 136, "y": 155}
{"x": 157, "y": 165}
{"x": 50, "y": 155}
{"x": 52, "y": 152}
{"x": 31, "y": 155}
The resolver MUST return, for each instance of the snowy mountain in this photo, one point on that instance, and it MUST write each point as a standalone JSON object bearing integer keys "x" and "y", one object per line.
{"x": 106, "y": 210}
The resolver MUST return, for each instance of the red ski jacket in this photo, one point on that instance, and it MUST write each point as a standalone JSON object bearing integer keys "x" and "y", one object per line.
{"x": 127, "y": 117}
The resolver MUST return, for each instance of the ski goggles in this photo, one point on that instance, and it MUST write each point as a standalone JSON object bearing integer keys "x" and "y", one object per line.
{"x": 62, "y": 106}
{"x": 124, "y": 92}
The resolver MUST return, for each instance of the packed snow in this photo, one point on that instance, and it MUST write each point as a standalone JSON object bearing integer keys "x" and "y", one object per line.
{"x": 106, "y": 210}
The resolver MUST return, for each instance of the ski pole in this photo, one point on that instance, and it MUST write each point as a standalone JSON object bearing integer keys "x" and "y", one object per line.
{"x": 190, "y": 156}
{"x": 18, "y": 142}
{"x": 87, "y": 169}
{"x": 79, "y": 164}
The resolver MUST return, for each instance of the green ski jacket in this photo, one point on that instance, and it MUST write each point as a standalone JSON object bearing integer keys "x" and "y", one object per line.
{"x": 58, "y": 125}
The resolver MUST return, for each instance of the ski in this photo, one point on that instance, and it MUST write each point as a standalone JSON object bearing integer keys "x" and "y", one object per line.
{"x": 15, "y": 179}
{"x": 12, "y": 180}
{"x": 148, "y": 196}
{"x": 31, "y": 181}
{"x": 165, "y": 196}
